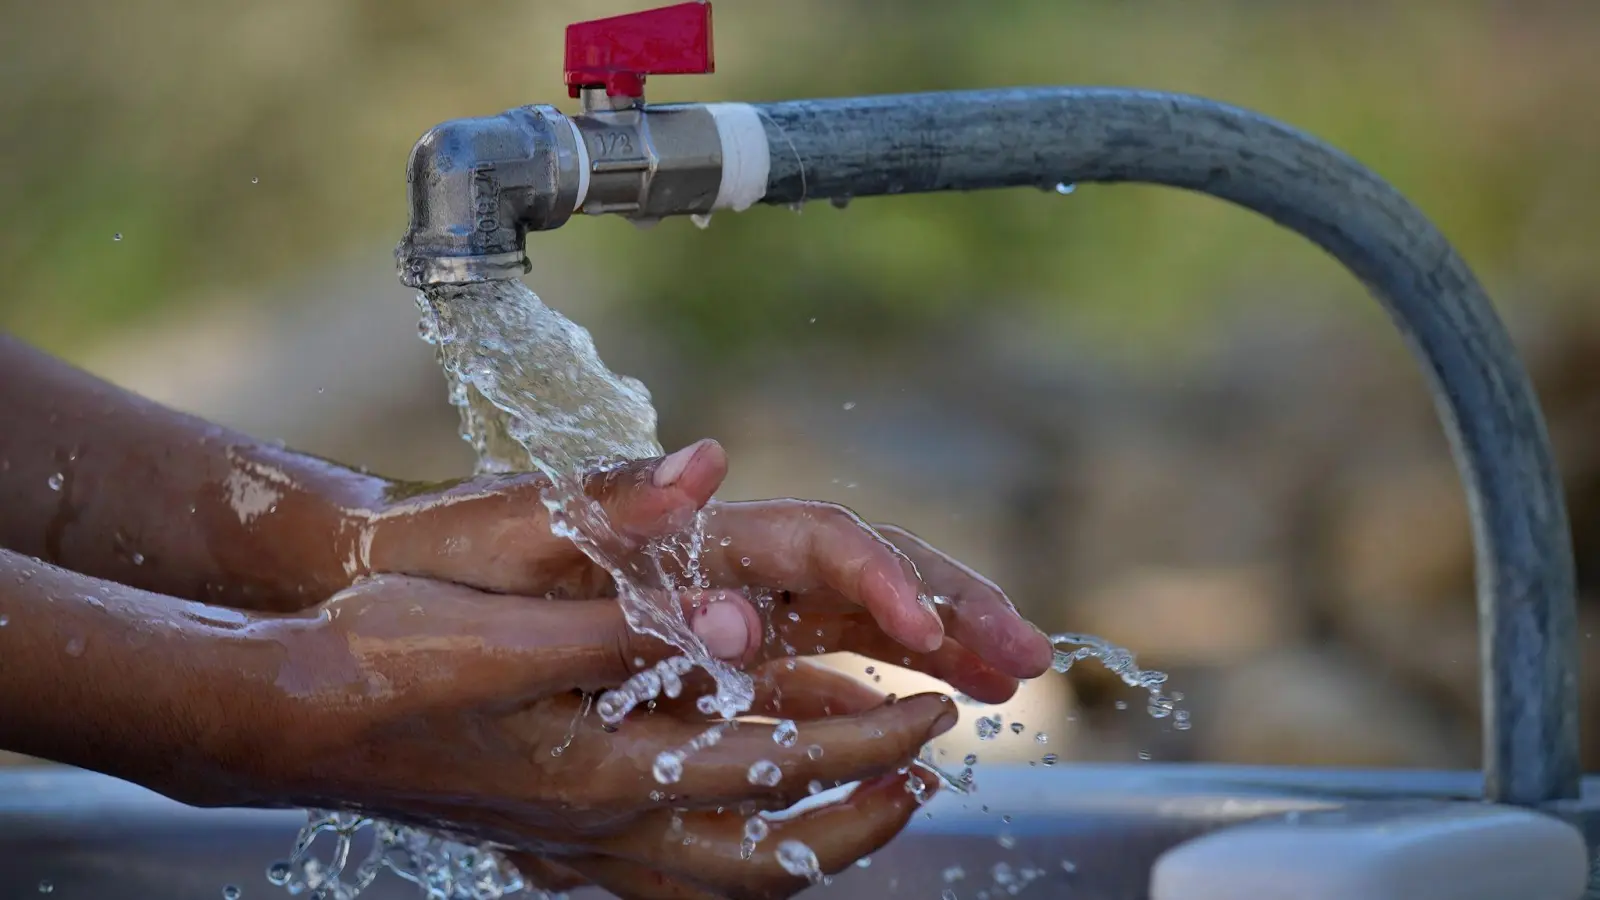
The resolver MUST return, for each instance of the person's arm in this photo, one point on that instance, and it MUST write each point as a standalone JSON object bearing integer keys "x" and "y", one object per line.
{"x": 146, "y": 688}
{"x": 104, "y": 482}
{"x": 434, "y": 703}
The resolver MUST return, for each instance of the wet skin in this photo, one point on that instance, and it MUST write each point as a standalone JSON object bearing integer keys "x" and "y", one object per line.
{"x": 230, "y": 622}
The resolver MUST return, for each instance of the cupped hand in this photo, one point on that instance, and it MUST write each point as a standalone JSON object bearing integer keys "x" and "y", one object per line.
{"x": 441, "y": 705}
{"x": 814, "y": 559}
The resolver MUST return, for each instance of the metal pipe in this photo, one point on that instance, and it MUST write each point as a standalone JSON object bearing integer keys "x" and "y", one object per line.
{"x": 974, "y": 140}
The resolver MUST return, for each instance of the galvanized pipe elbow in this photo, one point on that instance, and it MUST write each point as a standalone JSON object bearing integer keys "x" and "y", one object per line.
{"x": 477, "y": 186}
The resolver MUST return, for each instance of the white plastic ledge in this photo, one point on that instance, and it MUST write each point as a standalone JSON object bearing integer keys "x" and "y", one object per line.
{"x": 1438, "y": 851}
{"x": 746, "y": 157}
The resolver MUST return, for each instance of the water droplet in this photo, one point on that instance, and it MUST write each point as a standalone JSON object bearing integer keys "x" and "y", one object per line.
{"x": 725, "y": 542}
{"x": 668, "y": 767}
{"x": 764, "y": 772}
{"x": 4, "y": 620}
{"x": 55, "y": 481}
{"x": 785, "y": 734}
{"x": 987, "y": 727}
{"x": 812, "y": 320}
{"x": 797, "y": 859}
{"x": 744, "y": 560}
{"x": 1049, "y": 759}
{"x": 1006, "y": 841}
{"x": 1065, "y": 188}
{"x": 849, "y": 405}
{"x": 1069, "y": 866}
{"x": 255, "y": 180}
{"x": 813, "y": 787}
{"x": 75, "y": 646}
{"x": 841, "y": 201}
{"x": 279, "y": 873}
{"x": 1121, "y": 704}
{"x": 46, "y": 887}
{"x": 756, "y": 829}
{"x": 232, "y": 892}
{"x": 117, "y": 236}
{"x": 1017, "y": 727}
{"x": 953, "y": 874}
{"x": 1144, "y": 754}
{"x": 812, "y": 752}
{"x": 948, "y": 894}
{"x": 137, "y": 558}
{"x": 970, "y": 759}
{"x": 1041, "y": 738}
{"x": 701, "y": 221}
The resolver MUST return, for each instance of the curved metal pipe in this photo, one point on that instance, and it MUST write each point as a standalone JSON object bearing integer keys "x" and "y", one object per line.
{"x": 963, "y": 141}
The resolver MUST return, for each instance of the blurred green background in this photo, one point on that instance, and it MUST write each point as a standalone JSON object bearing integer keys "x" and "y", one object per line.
{"x": 1142, "y": 411}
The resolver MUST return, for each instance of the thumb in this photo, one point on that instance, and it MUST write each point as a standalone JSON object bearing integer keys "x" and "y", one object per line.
{"x": 609, "y": 650}
{"x": 438, "y": 645}
{"x": 651, "y": 497}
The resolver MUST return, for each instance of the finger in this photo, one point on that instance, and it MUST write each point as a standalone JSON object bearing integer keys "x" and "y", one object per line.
{"x": 984, "y": 621}
{"x": 652, "y": 497}
{"x": 445, "y": 645}
{"x": 493, "y": 533}
{"x": 794, "y": 689}
{"x": 824, "y": 632}
{"x": 628, "y": 879}
{"x": 835, "y": 835}
{"x": 859, "y": 746}
{"x": 603, "y": 649}
{"x": 801, "y": 545}
{"x": 544, "y": 874}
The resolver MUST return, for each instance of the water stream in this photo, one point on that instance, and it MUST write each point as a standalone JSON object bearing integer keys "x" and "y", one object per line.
{"x": 534, "y": 395}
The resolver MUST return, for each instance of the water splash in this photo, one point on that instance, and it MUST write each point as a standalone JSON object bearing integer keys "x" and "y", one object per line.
{"x": 534, "y": 396}
{"x": 1071, "y": 647}
{"x": 443, "y": 867}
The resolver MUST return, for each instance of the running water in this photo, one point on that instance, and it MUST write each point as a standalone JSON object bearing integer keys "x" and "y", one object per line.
{"x": 534, "y": 395}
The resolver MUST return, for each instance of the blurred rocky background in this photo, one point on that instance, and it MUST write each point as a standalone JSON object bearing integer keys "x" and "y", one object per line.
{"x": 1149, "y": 416}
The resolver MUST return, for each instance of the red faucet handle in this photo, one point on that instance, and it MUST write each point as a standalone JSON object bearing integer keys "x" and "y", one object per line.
{"x": 617, "y": 53}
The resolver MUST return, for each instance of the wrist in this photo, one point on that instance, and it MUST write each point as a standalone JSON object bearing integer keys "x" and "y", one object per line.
{"x": 289, "y": 529}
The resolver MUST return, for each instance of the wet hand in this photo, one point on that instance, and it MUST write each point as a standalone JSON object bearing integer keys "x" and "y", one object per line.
{"x": 824, "y": 567}
{"x": 444, "y": 706}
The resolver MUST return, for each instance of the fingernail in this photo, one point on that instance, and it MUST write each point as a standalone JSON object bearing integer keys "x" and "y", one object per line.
{"x": 722, "y": 627}
{"x": 935, "y": 639}
{"x": 945, "y": 722}
{"x": 669, "y": 470}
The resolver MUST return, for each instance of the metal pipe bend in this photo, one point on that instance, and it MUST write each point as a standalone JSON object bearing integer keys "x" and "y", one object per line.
{"x": 864, "y": 146}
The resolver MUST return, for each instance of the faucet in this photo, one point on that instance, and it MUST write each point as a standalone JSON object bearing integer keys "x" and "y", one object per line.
{"x": 478, "y": 186}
